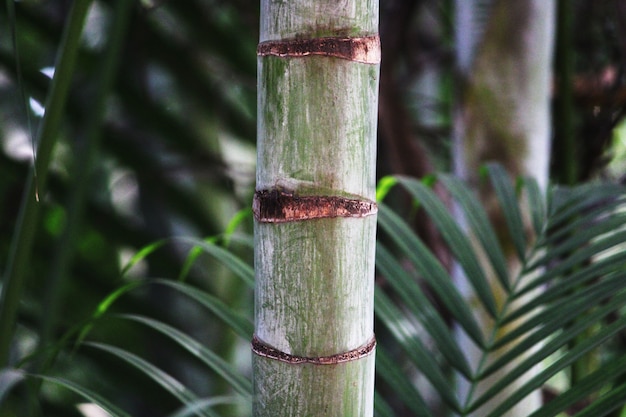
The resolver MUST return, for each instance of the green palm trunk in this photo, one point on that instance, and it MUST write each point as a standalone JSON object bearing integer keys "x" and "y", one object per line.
{"x": 315, "y": 216}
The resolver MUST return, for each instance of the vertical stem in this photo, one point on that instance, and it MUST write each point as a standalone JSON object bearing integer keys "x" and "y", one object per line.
{"x": 315, "y": 225}
{"x": 85, "y": 158}
{"x": 565, "y": 155}
{"x": 19, "y": 256}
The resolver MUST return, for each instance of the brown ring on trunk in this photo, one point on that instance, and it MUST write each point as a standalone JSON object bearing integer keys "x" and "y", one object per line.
{"x": 275, "y": 206}
{"x": 261, "y": 349}
{"x": 365, "y": 50}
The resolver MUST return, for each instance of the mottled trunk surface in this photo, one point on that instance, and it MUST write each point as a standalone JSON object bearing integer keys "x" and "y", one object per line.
{"x": 315, "y": 215}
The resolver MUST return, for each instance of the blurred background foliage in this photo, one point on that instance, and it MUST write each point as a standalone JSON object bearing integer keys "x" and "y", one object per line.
{"x": 167, "y": 148}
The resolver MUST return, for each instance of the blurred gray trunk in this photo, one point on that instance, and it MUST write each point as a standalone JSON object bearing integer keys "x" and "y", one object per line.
{"x": 504, "y": 55}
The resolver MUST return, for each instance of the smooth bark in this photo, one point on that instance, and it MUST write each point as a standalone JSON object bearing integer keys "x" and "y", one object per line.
{"x": 316, "y": 151}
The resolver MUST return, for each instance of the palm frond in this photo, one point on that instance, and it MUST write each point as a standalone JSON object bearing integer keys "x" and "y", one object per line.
{"x": 170, "y": 384}
{"x": 196, "y": 349}
{"x": 573, "y": 263}
{"x": 431, "y": 271}
{"x": 192, "y": 409}
{"x": 87, "y": 394}
{"x": 233, "y": 319}
{"x": 395, "y": 377}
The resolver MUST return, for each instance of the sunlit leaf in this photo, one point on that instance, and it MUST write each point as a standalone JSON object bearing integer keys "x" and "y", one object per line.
{"x": 8, "y": 379}
{"x": 199, "y": 405}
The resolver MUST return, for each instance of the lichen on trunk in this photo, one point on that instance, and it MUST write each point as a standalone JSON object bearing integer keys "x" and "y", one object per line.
{"x": 315, "y": 215}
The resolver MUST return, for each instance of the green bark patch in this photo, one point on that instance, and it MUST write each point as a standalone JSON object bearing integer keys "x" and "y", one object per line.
{"x": 319, "y": 132}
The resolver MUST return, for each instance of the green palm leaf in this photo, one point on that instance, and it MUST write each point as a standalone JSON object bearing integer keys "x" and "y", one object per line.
{"x": 480, "y": 226}
{"x": 393, "y": 375}
{"x": 562, "y": 363}
{"x": 510, "y": 207}
{"x": 603, "y": 405}
{"x": 423, "y": 311}
{"x": 414, "y": 347}
{"x": 457, "y": 241}
{"x": 209, "y": 358}
{"x": 573, "y": 264}
{"x": 90, "y": 395}
{"x": 429, "y": 269}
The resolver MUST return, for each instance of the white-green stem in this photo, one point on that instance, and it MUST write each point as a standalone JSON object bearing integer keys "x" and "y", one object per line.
{"x": 315, "y": 219}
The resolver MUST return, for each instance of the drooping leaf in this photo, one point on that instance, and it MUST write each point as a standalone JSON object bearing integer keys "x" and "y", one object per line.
{"x": 228, "y": 259}
{"x": 242, "y": 385}
{"x": 414, "y": 348}
{"x": 501, "y": 183}
{"x": 401, "y": 384}
{"x": 88, "y": 394}
{"x": 166, "y": 381}
{"x": 8, "y": 379}
{"x": 480, "y": 226}
{"x": 457, "y": 241}
{"x": 241, "y": 325}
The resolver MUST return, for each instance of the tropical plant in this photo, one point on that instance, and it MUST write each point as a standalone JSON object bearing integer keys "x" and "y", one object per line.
{"x": 168, "y": 331}
{"x": 572, "y": 247}
{"x": 564, "y": 250}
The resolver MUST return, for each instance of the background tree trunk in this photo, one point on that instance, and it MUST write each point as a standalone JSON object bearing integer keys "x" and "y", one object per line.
{"x": 505, "y": 117}
{"x": 315, "y": 217}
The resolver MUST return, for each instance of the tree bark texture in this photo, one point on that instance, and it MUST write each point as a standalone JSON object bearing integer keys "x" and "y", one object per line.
{"x": 315, "y": 215}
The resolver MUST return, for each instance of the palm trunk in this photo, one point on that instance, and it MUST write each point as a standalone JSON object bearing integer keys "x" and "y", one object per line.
{"x": 315, "y": 216}
{"x": 505, "y": 118}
